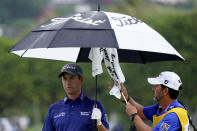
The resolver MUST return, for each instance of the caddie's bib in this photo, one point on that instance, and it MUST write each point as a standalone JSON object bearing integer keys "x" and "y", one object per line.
{"x": 182, "y": 115}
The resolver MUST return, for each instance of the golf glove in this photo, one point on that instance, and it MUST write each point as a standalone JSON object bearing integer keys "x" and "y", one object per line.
{"x": 96, "y": 115}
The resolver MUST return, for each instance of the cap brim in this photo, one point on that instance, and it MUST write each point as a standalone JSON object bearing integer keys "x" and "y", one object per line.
{"x": 60, "y": 75}
{"x": 154, "y": 81}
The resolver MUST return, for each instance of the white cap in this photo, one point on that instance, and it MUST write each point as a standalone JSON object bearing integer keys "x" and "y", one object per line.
{"x": 167, "y": 78}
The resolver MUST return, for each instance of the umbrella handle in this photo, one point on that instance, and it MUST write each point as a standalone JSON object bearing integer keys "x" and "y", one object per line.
{"x": 124, "y": 97}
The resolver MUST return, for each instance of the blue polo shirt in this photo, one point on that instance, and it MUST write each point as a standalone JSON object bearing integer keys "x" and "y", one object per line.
{"x": 68, "y": 115}
{"x": 171, "y": 119}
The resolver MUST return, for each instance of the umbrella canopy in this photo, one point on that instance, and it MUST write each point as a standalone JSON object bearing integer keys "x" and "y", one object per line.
{"x": 70, "y": 37}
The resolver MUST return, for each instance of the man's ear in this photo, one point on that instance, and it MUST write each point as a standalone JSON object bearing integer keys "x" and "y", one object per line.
{"x": 81, "y": 79}
{"x": 166, "y": 91}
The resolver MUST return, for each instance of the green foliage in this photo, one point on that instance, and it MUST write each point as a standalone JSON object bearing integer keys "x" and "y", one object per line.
{"x": 62, "y": 9}
{"x": 133, "y": 3}
{"x": 11, "y": 10}
{"x": 25, "y": 81}
{"x": 35, "y": 128}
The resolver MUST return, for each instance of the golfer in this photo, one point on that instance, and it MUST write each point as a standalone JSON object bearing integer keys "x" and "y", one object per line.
{"x": 75, "y": 112}
{"x": 168, "y": 113}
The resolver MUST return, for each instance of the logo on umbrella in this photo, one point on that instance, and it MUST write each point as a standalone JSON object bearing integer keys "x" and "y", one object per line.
{"x": 55, "y": 21}
{"x": 77, "y": 17}
{"x": 123, "y": 21}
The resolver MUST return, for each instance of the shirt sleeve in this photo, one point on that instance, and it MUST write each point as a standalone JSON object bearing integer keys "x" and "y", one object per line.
{"x": 48, "y": 126}
{"x": 169, "y": 123}
{"x": 104, "y": 115}
{"x": 150, "y": 111}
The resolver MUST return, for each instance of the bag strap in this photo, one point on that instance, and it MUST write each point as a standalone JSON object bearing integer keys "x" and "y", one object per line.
{"x": 190, "y": 119}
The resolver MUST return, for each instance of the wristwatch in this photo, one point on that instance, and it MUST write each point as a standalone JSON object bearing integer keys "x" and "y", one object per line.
{"x": 131, "y": 117}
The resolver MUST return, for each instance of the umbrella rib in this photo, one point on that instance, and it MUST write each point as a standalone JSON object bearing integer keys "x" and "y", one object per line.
{"x": 52, "y": 40}
{"x": 24, "y": 52}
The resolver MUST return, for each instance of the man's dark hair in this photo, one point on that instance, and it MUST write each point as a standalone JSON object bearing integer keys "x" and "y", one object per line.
{"x": 173, "y": 93}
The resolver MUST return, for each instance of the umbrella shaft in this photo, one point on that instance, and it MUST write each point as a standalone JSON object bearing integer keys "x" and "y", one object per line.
{"x": 99, "y": 6}
{"x": 96, "y": 78}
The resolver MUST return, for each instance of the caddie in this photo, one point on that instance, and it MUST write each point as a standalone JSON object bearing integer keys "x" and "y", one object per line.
{"x": 168, "y": 114}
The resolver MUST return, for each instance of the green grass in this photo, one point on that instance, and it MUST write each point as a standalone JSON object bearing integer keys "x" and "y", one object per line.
{"x": 35, "y": 128}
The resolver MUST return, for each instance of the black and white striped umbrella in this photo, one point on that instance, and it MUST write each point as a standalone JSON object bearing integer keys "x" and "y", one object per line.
{"x": 70, "y": 37}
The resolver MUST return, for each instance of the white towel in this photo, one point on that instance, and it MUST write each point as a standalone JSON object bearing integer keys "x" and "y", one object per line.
{"x": 96, "y": 56}
{"x": 115, "y": 91}
{"x": 112, "y": 64}
{"x": 111, "y": 61}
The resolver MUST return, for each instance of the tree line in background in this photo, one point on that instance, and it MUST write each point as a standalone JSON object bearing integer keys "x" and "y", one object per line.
{"x": 29, "y": 85}
{"x": 20, "y": 9}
